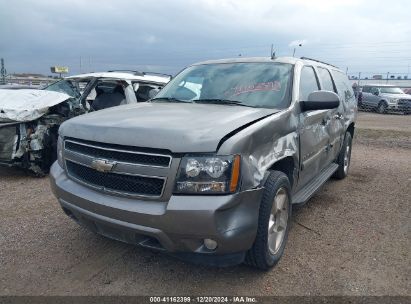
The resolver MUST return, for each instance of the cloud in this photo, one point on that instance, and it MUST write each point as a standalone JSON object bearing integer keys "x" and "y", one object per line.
{"x": 151, "y": 39}
{"x": 168, "y": 35}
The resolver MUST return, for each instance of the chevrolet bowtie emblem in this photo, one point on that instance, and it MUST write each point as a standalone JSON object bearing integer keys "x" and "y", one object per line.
{"x": 102, "y": 165}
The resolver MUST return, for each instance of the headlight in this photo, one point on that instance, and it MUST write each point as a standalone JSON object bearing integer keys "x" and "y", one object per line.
{"x": 208, "y": 174}
{"x": 60, "y": 152}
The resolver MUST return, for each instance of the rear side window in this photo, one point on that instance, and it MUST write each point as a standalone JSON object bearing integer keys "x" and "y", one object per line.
{"x": 326, "y": 81}
{"x": 344, "y": 87}
{"x": 374, "y": 90}
{"x": 308, "y": 82}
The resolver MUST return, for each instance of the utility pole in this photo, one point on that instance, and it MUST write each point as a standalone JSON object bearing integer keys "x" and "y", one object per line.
{"x": 300, "y": 45}
{"x": 3, "y": 72}
{"x": 272, "y": 53}
{"x": 388, "y": 74}
{"x": 359, "y": 78}
{"x": 346, "y": 71}
{"x": 80, "y": 66}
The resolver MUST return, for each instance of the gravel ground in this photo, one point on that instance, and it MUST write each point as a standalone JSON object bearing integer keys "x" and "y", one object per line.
{"x": 352, "y": 238}
{"x": 394, "y": 122}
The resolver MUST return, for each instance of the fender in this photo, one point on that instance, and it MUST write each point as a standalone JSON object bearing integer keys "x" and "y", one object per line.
{"x": 263, "y": 144}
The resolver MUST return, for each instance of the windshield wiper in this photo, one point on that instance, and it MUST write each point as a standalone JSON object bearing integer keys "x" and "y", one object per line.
{"x": 171, "y": 99}
{"x": 222, "y": 101}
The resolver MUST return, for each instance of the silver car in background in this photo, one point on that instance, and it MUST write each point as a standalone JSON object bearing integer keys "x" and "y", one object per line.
{"x": 384, "y": 98}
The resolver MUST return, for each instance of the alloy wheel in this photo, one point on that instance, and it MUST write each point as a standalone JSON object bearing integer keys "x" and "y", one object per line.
{"x": 277, "y": 224}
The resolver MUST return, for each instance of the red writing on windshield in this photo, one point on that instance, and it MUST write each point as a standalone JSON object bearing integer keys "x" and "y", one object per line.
{"x": 258, "y": 87}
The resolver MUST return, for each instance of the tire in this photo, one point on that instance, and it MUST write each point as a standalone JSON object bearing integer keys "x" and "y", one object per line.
{"x": 277, "y": 193}
{"x": 344, "y": 157}
{"x": 382, "y": 107}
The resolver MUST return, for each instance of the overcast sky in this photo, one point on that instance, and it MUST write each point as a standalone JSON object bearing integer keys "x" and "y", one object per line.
{"x": 363, "y": 36}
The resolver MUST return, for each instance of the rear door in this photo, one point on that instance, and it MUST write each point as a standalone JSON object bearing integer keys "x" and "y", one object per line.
{"x": 374, "y": 97}
{"x": 314, "y": 137}
{"x": 364, "y": 95}
{"x": 334, "y": 118}
{"x": 367, "y": 97}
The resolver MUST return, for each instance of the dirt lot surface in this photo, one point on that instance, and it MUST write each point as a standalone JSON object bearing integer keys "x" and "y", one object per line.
{"x": 394, "y": 122}
{"x": 352, "y": 238}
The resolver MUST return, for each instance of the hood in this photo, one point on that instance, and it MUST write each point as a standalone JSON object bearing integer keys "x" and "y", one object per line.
{"x": 178, "y": 127}
{"x": 27, "y": 104}
{"x": 396, "y": 96}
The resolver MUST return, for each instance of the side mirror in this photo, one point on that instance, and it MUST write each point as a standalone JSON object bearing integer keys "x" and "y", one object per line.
{"x": 152, "y": 93}
{"x": 321, "y": 100}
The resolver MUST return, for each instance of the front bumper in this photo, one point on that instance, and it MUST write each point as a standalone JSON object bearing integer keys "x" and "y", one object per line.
{"x": 401, "y": 106}
{"x": 179, "y": 225}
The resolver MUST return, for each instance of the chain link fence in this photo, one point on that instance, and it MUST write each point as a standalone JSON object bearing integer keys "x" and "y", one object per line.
{"x": 383, "y": 99}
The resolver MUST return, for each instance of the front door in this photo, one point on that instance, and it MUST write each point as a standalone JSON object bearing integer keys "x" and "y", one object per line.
{"x": 314, "y": 131}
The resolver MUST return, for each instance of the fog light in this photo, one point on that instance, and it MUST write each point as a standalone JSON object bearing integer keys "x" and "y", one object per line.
{"x": 210, "y": 244}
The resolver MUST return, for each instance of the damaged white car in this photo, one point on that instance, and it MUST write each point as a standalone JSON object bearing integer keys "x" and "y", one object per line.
{"x": 29, "y": 119}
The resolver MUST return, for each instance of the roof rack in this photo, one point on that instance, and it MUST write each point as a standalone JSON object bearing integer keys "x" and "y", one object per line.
{"x": 160, "y": 74}
{"x": 307, "y": 58}
{"x": 137, "y": 73}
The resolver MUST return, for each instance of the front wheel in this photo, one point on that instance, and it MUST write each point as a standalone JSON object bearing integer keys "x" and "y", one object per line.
{"x": 382, "y": 108}
{"x": 273, "y": 223}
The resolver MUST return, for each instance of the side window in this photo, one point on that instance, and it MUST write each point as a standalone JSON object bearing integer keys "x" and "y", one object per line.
{"x": 374, "y": 90}
{"x": 100, "y": 88}
{"x": 308, "y": 82}
{"x": 326, "y": 81}
{"x": 366, "y": 89}
{"x": 344, "y": 88}
{"x": 143, "y": 91}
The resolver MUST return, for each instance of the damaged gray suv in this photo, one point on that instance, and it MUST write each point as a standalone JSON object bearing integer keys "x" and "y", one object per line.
{"x": 210, "y": 168}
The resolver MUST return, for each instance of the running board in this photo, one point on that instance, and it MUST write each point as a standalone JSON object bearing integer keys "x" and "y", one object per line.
{"x": 304, "y": 194}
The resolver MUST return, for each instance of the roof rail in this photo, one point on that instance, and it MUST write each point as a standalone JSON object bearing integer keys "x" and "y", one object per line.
{"x": 307, "y": 58}
{"x": 160, "y": 74}
{"x": 137, "y": 73}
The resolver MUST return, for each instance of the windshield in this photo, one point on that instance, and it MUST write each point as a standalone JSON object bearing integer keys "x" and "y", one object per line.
{"x": 390, "y": 90}
{"x": 263, "y": 85}
{"x": 64, "y": 86}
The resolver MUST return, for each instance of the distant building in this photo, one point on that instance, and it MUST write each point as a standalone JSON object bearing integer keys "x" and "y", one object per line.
{"x": 378, "y": 77}
{"x": 402, "y": 83}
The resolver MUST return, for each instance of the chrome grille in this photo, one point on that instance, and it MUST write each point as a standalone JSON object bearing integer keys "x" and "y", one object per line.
{"x": 130, "y": 171}
{"x": 113, "y": 182}
{"x": 123, "y": 155}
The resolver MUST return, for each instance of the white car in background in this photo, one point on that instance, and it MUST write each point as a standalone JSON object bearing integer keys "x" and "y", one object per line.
{"x": 30, "y": 118}
{"x": 103, "y": 90}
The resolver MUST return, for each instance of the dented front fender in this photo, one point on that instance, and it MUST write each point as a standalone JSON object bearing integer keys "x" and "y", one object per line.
{"x": 263, "y": 144}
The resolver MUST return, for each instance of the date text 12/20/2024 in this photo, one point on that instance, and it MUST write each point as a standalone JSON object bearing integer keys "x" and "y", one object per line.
{"x": 203, "y": 299}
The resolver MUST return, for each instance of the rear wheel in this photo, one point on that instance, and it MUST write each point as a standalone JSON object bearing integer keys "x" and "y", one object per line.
{"x": 344, "y": 158}
{"x": 273, "y": 223}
